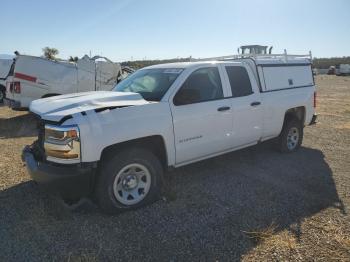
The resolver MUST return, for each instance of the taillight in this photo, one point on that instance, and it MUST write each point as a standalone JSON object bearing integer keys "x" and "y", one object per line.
{"x": 17, "y": 87}
{"x": 315, "y": 99}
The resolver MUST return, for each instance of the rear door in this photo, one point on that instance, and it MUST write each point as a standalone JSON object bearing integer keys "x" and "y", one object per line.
{"x": 201, "y": 115}
{"x": 246, "y": 104}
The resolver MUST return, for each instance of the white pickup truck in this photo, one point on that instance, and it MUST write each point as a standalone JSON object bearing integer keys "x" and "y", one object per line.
{"x": 116, "y": 145}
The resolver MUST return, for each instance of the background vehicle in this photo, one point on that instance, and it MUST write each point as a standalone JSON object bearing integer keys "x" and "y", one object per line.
{"x": 254, "y": 49}
{"x": 118, "y": 144}
{"x": 36, "y": 77}
{"x": 331, "y": 70}
{"x": 5, "y": 66}
{"x": 344, "y": 69}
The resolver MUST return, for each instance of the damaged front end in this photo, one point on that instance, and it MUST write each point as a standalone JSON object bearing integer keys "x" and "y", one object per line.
{"x": 53, "y": 162}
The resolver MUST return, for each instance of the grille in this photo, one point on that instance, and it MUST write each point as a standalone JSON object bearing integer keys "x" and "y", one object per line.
{"x": 38, "y": 145}
{"x": 41, "y": 133}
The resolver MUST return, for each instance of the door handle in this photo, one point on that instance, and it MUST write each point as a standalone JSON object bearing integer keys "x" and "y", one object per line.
{"x": 255, "y": 103}
{"x": 223, "y": 108}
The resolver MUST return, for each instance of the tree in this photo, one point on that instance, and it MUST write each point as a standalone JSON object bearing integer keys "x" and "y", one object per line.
{"x": 73, "y": 59}
{"x": 50, "y": 53}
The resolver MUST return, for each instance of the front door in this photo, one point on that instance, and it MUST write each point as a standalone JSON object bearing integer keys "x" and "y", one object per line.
{"x": 201, "y": 116}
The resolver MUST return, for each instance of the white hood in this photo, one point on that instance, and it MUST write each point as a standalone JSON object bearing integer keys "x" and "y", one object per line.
{"x": 56, "y": 107}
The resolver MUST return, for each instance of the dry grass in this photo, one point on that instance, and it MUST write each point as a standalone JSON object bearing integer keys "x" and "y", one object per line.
{"x": 272, "y": 245}
{"x": 346, "y": 125}
{"x": 328, "y": 242}
{"x": 333, "y": 238}
{"x": 262, "y": 234}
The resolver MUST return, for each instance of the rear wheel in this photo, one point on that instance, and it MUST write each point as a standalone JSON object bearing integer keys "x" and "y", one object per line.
{"x": 291, "y": 136}
{"x": 128, "y": 179}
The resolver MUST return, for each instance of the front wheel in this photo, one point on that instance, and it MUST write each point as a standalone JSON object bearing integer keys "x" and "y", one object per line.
{"x": 291, "y": 136}
{"x": 128, "y": 179}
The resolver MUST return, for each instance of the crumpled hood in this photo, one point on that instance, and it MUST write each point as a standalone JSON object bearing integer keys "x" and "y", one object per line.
{"x": 57, "y": 107}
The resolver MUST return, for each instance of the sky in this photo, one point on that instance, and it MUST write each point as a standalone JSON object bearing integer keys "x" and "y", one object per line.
{"x": 158, "y": 29}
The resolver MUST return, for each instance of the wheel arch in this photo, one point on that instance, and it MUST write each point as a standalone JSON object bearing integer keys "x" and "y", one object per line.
{"x": 154, "y": 143}
{"x": 295, "y": 112}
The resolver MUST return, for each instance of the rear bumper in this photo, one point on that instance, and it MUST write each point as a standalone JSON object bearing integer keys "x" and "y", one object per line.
{"x": 69, "y": 181}
{"x": 313, "y": 120}
{"x": 12, "y": 103}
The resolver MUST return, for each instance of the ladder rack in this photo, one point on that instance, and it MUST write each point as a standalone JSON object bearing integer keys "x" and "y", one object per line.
{"x": 283, "y": 57}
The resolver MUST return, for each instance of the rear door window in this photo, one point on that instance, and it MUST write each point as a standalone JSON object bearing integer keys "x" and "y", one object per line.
{"x": 239, "y": 81}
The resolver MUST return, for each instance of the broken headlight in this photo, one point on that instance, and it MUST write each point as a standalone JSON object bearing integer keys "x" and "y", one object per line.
{"x": 62, "y": 143}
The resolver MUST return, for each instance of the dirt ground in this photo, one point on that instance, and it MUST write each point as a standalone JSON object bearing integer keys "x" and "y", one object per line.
{"x": 252, "y": 205}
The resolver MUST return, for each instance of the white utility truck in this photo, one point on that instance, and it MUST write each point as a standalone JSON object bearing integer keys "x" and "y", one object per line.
{"x": 36, "y": 77}
{"x": 116, "y": 145}
{"x": 5, "y": 67}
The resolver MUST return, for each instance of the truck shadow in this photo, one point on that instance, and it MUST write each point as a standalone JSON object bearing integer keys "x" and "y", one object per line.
{"x": 24, "y": 125}
{"x": 213, "y": 203}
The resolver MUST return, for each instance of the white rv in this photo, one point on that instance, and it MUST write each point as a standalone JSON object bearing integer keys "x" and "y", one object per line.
{"x": 33, "y": 78}
{"x": 5, "y": 66}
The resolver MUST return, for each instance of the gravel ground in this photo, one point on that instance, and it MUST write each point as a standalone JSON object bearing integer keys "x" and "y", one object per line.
{"x": 253, "y": 204}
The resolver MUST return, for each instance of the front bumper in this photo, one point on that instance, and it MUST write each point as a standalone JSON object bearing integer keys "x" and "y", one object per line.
{"x": 313, "y": 120}
{"x": 69, "y": 181}
{"x": 12, "y": 103}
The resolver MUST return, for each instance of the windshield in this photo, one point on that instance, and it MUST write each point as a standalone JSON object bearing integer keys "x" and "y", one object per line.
{"x": 151, "y": 84}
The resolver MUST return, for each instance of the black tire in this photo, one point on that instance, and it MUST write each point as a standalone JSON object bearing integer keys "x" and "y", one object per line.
{"x": 112, "y": 164}
{"x": 285, "y": 145}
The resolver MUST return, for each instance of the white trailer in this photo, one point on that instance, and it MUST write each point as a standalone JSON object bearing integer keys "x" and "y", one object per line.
{"x": 5, "y": 66}
{"x": 35, "y": 77}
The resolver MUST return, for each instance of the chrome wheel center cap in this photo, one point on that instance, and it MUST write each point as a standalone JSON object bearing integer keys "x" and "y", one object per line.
{"x": 129, "y": 182}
